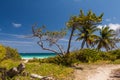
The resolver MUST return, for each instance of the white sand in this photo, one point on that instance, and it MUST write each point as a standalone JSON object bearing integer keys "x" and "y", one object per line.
{"x": 95, "y": 72}
{"x": 103, "y": 73}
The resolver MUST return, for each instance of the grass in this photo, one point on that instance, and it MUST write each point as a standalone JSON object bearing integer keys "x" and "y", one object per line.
{"x": 46, "y": 69}
{"x": 9, "y": 63}
{"x": 59, "y": 72}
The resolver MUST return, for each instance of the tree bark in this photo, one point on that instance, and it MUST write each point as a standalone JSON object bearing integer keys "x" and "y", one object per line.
{"x": 83, "y": 43}
{"x": 13, "y": 71}
{"x": 69, "y": 43}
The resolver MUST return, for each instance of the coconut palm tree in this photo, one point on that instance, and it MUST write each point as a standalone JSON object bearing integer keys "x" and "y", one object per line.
{"x": 106, "y": 39}
{"x": 88, "y": 27}
{"x": 86, "y": 34}
{"x": 82, "y": 21}
{"x": 72, "y": 24}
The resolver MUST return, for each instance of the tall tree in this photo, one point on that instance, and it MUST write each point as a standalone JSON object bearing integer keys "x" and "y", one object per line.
{"x": 106, "y": 39}
{"x": 72, "y": 24}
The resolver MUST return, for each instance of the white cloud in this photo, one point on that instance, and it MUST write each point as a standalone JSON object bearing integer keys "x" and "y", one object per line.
{"x": 111, "y": 25}
{"x": 17, "y": 25}
{"x": 100, "y": 26}
{"x": 16, "y": 35}
{"x": 114, "y": 26}
{"x": 108, "y": 20}
{"x": 17, "y": 43}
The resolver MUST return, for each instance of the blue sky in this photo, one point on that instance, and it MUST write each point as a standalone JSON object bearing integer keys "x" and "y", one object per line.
{"x": 17, "y": 17}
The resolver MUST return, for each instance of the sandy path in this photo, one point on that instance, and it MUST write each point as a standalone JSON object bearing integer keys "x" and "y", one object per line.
{"x": 95, "y": 72}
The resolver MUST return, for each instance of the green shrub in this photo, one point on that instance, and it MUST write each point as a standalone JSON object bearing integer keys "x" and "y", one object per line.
{"x": 66, "y": 60}
{"x": 115, "y": 53}
{"x": 84, "y": 56}
{"x": 2, "y": 52}
{"x": 88, "y": 55}
{"x": 8, "y": 63}
{"x": 12, "y": 54}
{"x": 107, "y": 56}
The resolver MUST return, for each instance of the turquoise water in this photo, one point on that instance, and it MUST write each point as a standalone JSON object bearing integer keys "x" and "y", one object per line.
{"x": 36, "y": 55}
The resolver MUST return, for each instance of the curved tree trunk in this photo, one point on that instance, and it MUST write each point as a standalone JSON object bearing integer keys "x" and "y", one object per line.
{"x": 69, "y": 43}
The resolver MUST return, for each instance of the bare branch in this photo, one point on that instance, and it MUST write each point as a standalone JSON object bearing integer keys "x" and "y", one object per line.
{"x": 49, "y": 37}
{"x": 40, "y": 43}
{"x": 60, "y": 48}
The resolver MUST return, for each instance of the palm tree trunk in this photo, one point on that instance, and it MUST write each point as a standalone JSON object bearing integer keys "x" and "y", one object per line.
{"x": 83, "y": 43}
{"x": 87, "y": 45}
{"x": 69, "y": 43}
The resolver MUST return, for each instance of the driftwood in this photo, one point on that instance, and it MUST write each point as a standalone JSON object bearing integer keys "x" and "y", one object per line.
{"x": 12, "y": 72}
{"x": 41, "y": 77}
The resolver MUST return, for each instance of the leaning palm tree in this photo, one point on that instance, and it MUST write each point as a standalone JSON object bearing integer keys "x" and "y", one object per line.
{"x": 72, "y": 24}
{"x": 106, "y": 39}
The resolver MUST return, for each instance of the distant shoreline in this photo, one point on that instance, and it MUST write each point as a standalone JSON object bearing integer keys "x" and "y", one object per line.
{"x": 28, "y": 56}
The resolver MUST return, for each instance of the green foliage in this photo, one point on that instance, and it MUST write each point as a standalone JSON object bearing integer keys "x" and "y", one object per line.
{"x": 84, "y": 56}
{"x": 12, "y": 54}
{"x": 107, "y": 56}
{"x": 88, "y": 55}
{"x": 106, "y": 39}
{"x": 8, "y": 53}
{"x": 66, "y": 60}
{"x": 86, "y": 25}
{"x": 2, "y": 52}
{"x": 8, "y": 63}
{"x": 22, "y": 78}
{"x": 57, "y": 71}
{"x": 93, "y": 55}
{"x": 116, "y": 53}
{"x": 44, "y": 69}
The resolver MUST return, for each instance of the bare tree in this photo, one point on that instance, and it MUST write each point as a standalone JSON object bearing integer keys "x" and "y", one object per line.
{"x": 50, "y": 37}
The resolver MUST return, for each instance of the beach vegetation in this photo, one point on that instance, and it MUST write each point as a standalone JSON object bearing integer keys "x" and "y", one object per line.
{"x": 2, "y": 52}
{"x": 8, "y": 53}
{"x": 57, "y": 71}
{"x": 82, "y": 56}
{"x": 12, "y": 53}
{"x": 9, "y": 63}
{"x": 82, "y": 27}
{"x": 107, "y": 39}
{"x": 86, "y": 26}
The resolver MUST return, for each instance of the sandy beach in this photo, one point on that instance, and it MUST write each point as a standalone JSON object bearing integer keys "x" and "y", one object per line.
{"x": 96, "y": 72}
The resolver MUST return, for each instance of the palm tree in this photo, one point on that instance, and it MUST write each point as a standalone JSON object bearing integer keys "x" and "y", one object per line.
{"x": 106, "y": 39}
{"x": 72, "y": 24}
{"x": 87, "y": 36}
{"x": 82, "y": 21}
{"x": 88, "y": 27}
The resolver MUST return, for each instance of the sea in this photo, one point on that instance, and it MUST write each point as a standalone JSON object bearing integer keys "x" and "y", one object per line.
{"x": 36, "y": 55}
